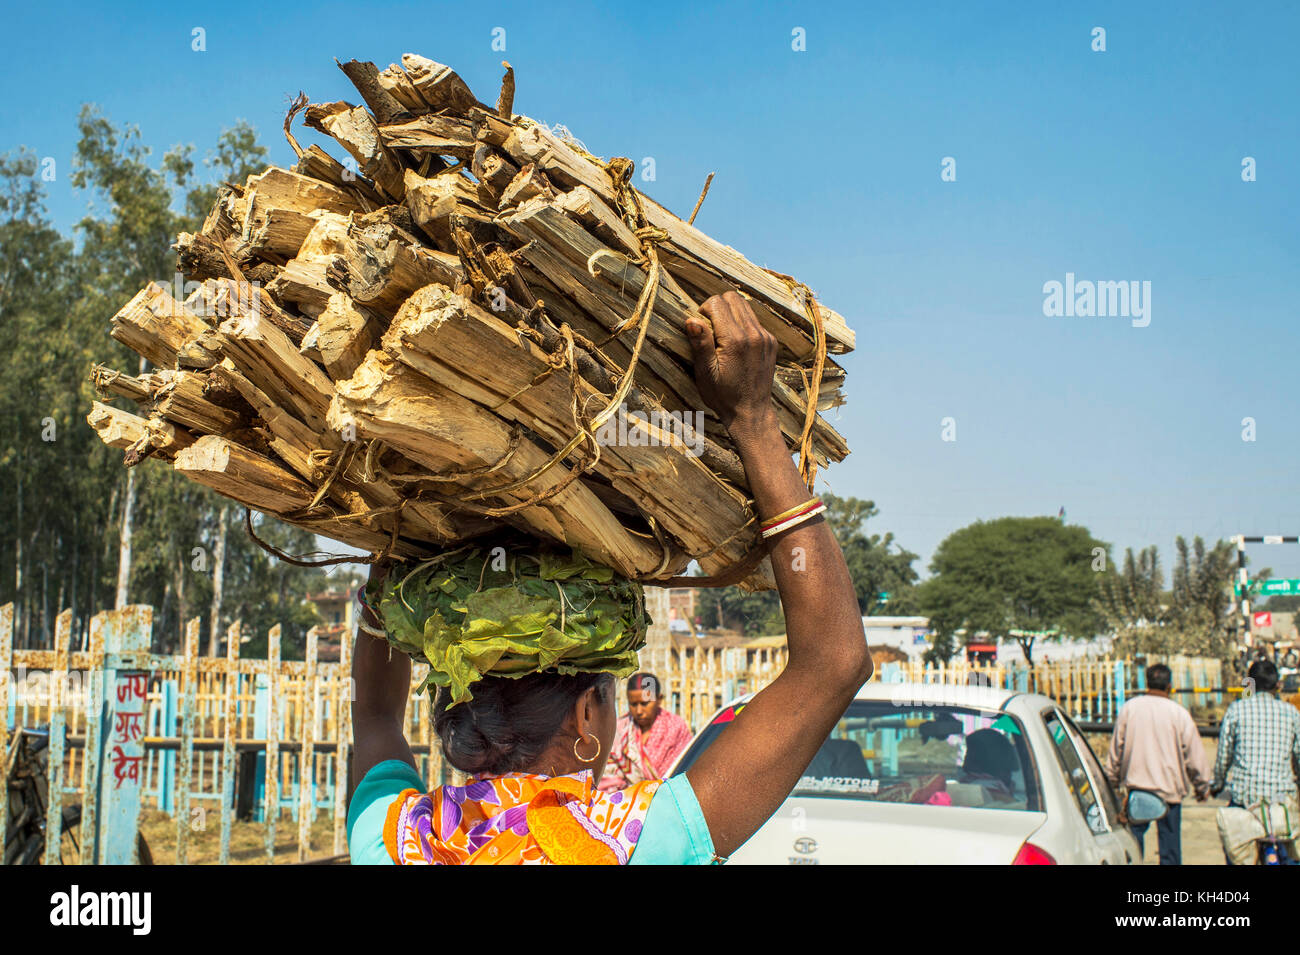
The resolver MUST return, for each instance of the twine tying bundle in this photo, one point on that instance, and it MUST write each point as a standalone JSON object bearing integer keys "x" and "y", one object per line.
{"x": 332, "y": 463}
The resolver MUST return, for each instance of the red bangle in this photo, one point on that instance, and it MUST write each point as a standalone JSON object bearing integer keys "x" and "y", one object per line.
{"x": 790, "y": 514}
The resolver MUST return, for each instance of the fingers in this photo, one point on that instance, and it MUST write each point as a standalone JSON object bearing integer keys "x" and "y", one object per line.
{"x": 734, "y": 319}
{"x": 727, "y": 312}
{"x": 700, "y": 335}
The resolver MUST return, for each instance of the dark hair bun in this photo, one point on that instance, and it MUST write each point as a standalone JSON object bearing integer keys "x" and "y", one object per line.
{"x": 509, "y": 722}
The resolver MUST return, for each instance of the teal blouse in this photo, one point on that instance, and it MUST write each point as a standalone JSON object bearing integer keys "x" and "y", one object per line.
{"x": 675, "y": 832}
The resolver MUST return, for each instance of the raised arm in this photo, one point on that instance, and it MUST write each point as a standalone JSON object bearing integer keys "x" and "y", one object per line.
{"x": 745, "y": 776}
{"x": 381, "y": 683}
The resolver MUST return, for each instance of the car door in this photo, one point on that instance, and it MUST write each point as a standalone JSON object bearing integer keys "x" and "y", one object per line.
{"x": 1087, "y": 784}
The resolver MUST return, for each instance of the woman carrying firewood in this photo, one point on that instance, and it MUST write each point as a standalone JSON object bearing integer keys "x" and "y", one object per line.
{"x": 526, "y": 685}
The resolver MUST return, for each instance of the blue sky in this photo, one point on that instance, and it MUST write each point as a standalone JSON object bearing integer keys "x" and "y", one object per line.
{"x": 1115, "y": 165}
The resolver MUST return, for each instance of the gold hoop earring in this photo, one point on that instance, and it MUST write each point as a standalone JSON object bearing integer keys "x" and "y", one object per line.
{"x": 592, "y": 757}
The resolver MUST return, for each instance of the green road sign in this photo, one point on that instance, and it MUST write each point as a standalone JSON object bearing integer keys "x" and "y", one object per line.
{"x": 1271, "y": 587}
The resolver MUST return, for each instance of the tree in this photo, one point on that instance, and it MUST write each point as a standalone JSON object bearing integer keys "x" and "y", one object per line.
{"x": 34, "y": 275}
{"x": 1282, "y": 603}
{"x": 1191, "y": 617}
{"x": 65, "y": 494}
{"x": 1135, "y": 595}
{"x": 1015, "y": 573}
{"x": 875, "y": 563}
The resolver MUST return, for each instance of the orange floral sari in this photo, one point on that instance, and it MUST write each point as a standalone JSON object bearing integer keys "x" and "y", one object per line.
{"x": 517, "y": 819}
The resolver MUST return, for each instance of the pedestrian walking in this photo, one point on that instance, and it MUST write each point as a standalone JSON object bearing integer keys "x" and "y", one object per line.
{"x": 1156, "y": 749}
{"x": 1259, "y": 748}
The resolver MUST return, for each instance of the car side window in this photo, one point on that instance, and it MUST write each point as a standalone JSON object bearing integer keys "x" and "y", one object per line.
{"x": 1076, "y": 777}
{"x": 1107, "y": 795}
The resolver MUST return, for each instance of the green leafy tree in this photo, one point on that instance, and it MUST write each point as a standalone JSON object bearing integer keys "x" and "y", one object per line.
{"x": 65, "y": 493}
{"x": 1014, "y": 573}
{"x": 1191, "y": 617}
{"x": 1134, "y": 595}
{"x": 876, "y": 563}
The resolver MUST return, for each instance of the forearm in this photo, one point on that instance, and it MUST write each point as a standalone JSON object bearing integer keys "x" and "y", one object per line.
{"x": 381, "y": 679}
{"x": 381, "y": 682}
{"x": 823, "y": 621}
{"x": 1114, "y": 762}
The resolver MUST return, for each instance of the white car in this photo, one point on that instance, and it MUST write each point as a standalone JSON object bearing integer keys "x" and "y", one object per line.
{"x": 937, "y": 775}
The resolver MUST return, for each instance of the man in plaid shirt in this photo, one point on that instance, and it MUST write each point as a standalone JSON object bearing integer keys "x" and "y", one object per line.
{"x": 1259, "y": 744}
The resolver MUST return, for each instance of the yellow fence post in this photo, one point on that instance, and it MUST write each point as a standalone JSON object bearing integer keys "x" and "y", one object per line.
{"x": 306, "y": 758}
{"x": 228, "y": 743}
{"x": 272, "y": 782}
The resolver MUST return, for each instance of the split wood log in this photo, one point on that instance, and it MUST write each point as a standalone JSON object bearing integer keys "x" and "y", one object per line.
{"x": 652, "y": 460}
{"x": 238, "y": 473}
{"x": 383, "y": 264}
{"x": 438, "y": 85}
{"x": 116, "y": 428}
{"x": 155, "y": 325}
{"x": 395, "y": 350}
{"x": 444, "y": 432}
{"x": 181, "y": 399}
{"x": 272, "y": 362}
{"x": 139, "y": 388}
{"x": 354, "y": 129}
{"x": 343, "y": 334}
{"x": 385, "y": 106}
{"x": 433, "y": 201}
{"x": 440, "y": 135}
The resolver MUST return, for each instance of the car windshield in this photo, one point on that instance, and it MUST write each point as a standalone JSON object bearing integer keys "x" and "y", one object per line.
{"x": 926, "y": 755}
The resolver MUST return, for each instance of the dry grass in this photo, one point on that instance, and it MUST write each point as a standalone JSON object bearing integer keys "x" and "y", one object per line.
{"x": 247, "y": 839}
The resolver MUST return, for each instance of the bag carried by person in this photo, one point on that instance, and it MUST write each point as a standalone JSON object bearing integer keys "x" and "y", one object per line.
{"x": 1240, "y": 829}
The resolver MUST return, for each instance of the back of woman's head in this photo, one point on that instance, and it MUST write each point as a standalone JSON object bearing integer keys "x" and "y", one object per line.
{"x": 510, "y": 722}
{"x": 989, "y": 753}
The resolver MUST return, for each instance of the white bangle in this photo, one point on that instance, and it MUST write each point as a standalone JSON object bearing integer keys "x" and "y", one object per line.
{"x": 361, "y": 618}
{"x": 793, "y": 522}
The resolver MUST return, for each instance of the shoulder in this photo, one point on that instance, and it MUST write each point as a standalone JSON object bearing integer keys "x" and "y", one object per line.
{"x": 1138, "y": 706}
{"x": 1289, "y": 711}
{"x": 368, "y": 813}
{"x": 675, "y": 831}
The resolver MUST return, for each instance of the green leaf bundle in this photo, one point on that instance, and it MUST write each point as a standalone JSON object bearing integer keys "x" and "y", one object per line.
{"x": 499, "y": 611}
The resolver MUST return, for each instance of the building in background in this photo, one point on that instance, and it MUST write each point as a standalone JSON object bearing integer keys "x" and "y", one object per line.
{"x": 335, "y": 610}
{"x": 658, "y": 606}
{"x": 682, "y": 610}
{"x": 909, "y": 635}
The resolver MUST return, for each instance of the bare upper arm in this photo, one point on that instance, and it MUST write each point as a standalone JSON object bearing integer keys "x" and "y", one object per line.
{"x": 375, "y": 740}
{"x": 745, "y": 776}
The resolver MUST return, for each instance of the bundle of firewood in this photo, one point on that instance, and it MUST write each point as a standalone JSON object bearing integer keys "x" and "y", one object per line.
{"x": 468, "y": 323}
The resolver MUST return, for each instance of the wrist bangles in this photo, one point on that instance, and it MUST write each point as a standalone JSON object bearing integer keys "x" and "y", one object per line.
{"x": 791, "y": 518}
{"x": 365, "y": 608}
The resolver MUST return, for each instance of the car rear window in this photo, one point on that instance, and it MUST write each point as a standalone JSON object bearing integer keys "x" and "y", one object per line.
{"x": 926, "y": 755}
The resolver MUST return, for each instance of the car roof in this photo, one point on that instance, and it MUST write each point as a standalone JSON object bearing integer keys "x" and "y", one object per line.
{"x": 981, "y": 697}
{"x": 953, "y": 694}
